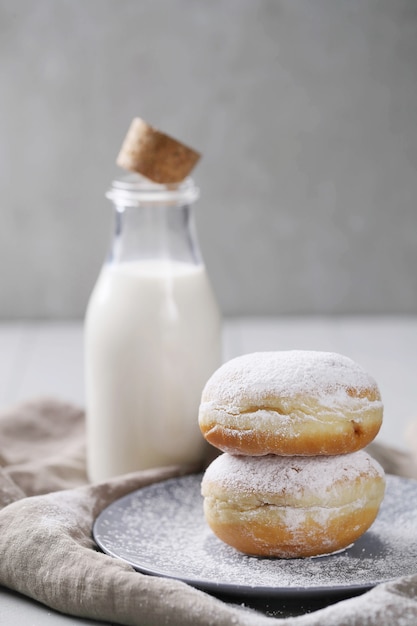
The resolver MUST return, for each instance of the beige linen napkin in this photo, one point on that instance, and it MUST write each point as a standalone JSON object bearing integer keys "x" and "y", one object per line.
{"x": 47, "y": 552}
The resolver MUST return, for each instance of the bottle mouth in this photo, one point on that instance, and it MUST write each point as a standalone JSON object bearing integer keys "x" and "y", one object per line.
{"x": 136, "y": 190}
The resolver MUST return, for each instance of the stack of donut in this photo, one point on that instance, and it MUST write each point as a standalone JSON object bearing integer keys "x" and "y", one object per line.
{"x": 294, "y": 480}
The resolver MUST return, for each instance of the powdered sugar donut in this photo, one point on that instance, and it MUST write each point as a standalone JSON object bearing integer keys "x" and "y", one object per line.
{"x": 292, "y": 506}
{"x": 292, "y": 402}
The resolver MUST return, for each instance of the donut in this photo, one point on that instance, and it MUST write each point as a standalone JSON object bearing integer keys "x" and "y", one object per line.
{"x": 291, "y": 507}
{"x": 295, "y": 402}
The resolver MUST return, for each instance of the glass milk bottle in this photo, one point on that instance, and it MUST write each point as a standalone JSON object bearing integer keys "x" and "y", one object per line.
{"x": 152, "y": 334}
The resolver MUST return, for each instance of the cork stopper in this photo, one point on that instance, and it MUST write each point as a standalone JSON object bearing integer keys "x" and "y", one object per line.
{"x": 156, "y": 156}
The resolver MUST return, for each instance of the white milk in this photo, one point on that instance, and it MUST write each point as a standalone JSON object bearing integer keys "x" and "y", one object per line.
{"x": 152, "y": 341}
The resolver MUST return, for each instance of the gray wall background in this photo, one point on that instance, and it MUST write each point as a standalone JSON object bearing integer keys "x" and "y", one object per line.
{"x": 305, "y": 111}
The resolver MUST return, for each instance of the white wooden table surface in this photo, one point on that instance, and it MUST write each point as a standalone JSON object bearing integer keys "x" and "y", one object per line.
{"x": 47, "y": 359}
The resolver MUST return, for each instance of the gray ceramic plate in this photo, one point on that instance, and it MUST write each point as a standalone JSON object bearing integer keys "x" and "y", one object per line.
{"x": 161, "y": 530}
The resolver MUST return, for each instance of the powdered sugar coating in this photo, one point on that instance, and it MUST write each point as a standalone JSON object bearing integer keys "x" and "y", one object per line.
{"x": 288, "y": 373}
{"x": 294, "y": 402}
{"x": 311, "y": 481}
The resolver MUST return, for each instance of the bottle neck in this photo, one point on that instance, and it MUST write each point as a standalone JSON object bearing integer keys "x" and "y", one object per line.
{"x": 155, "y": 232}
{"x": 153, "y": 221}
